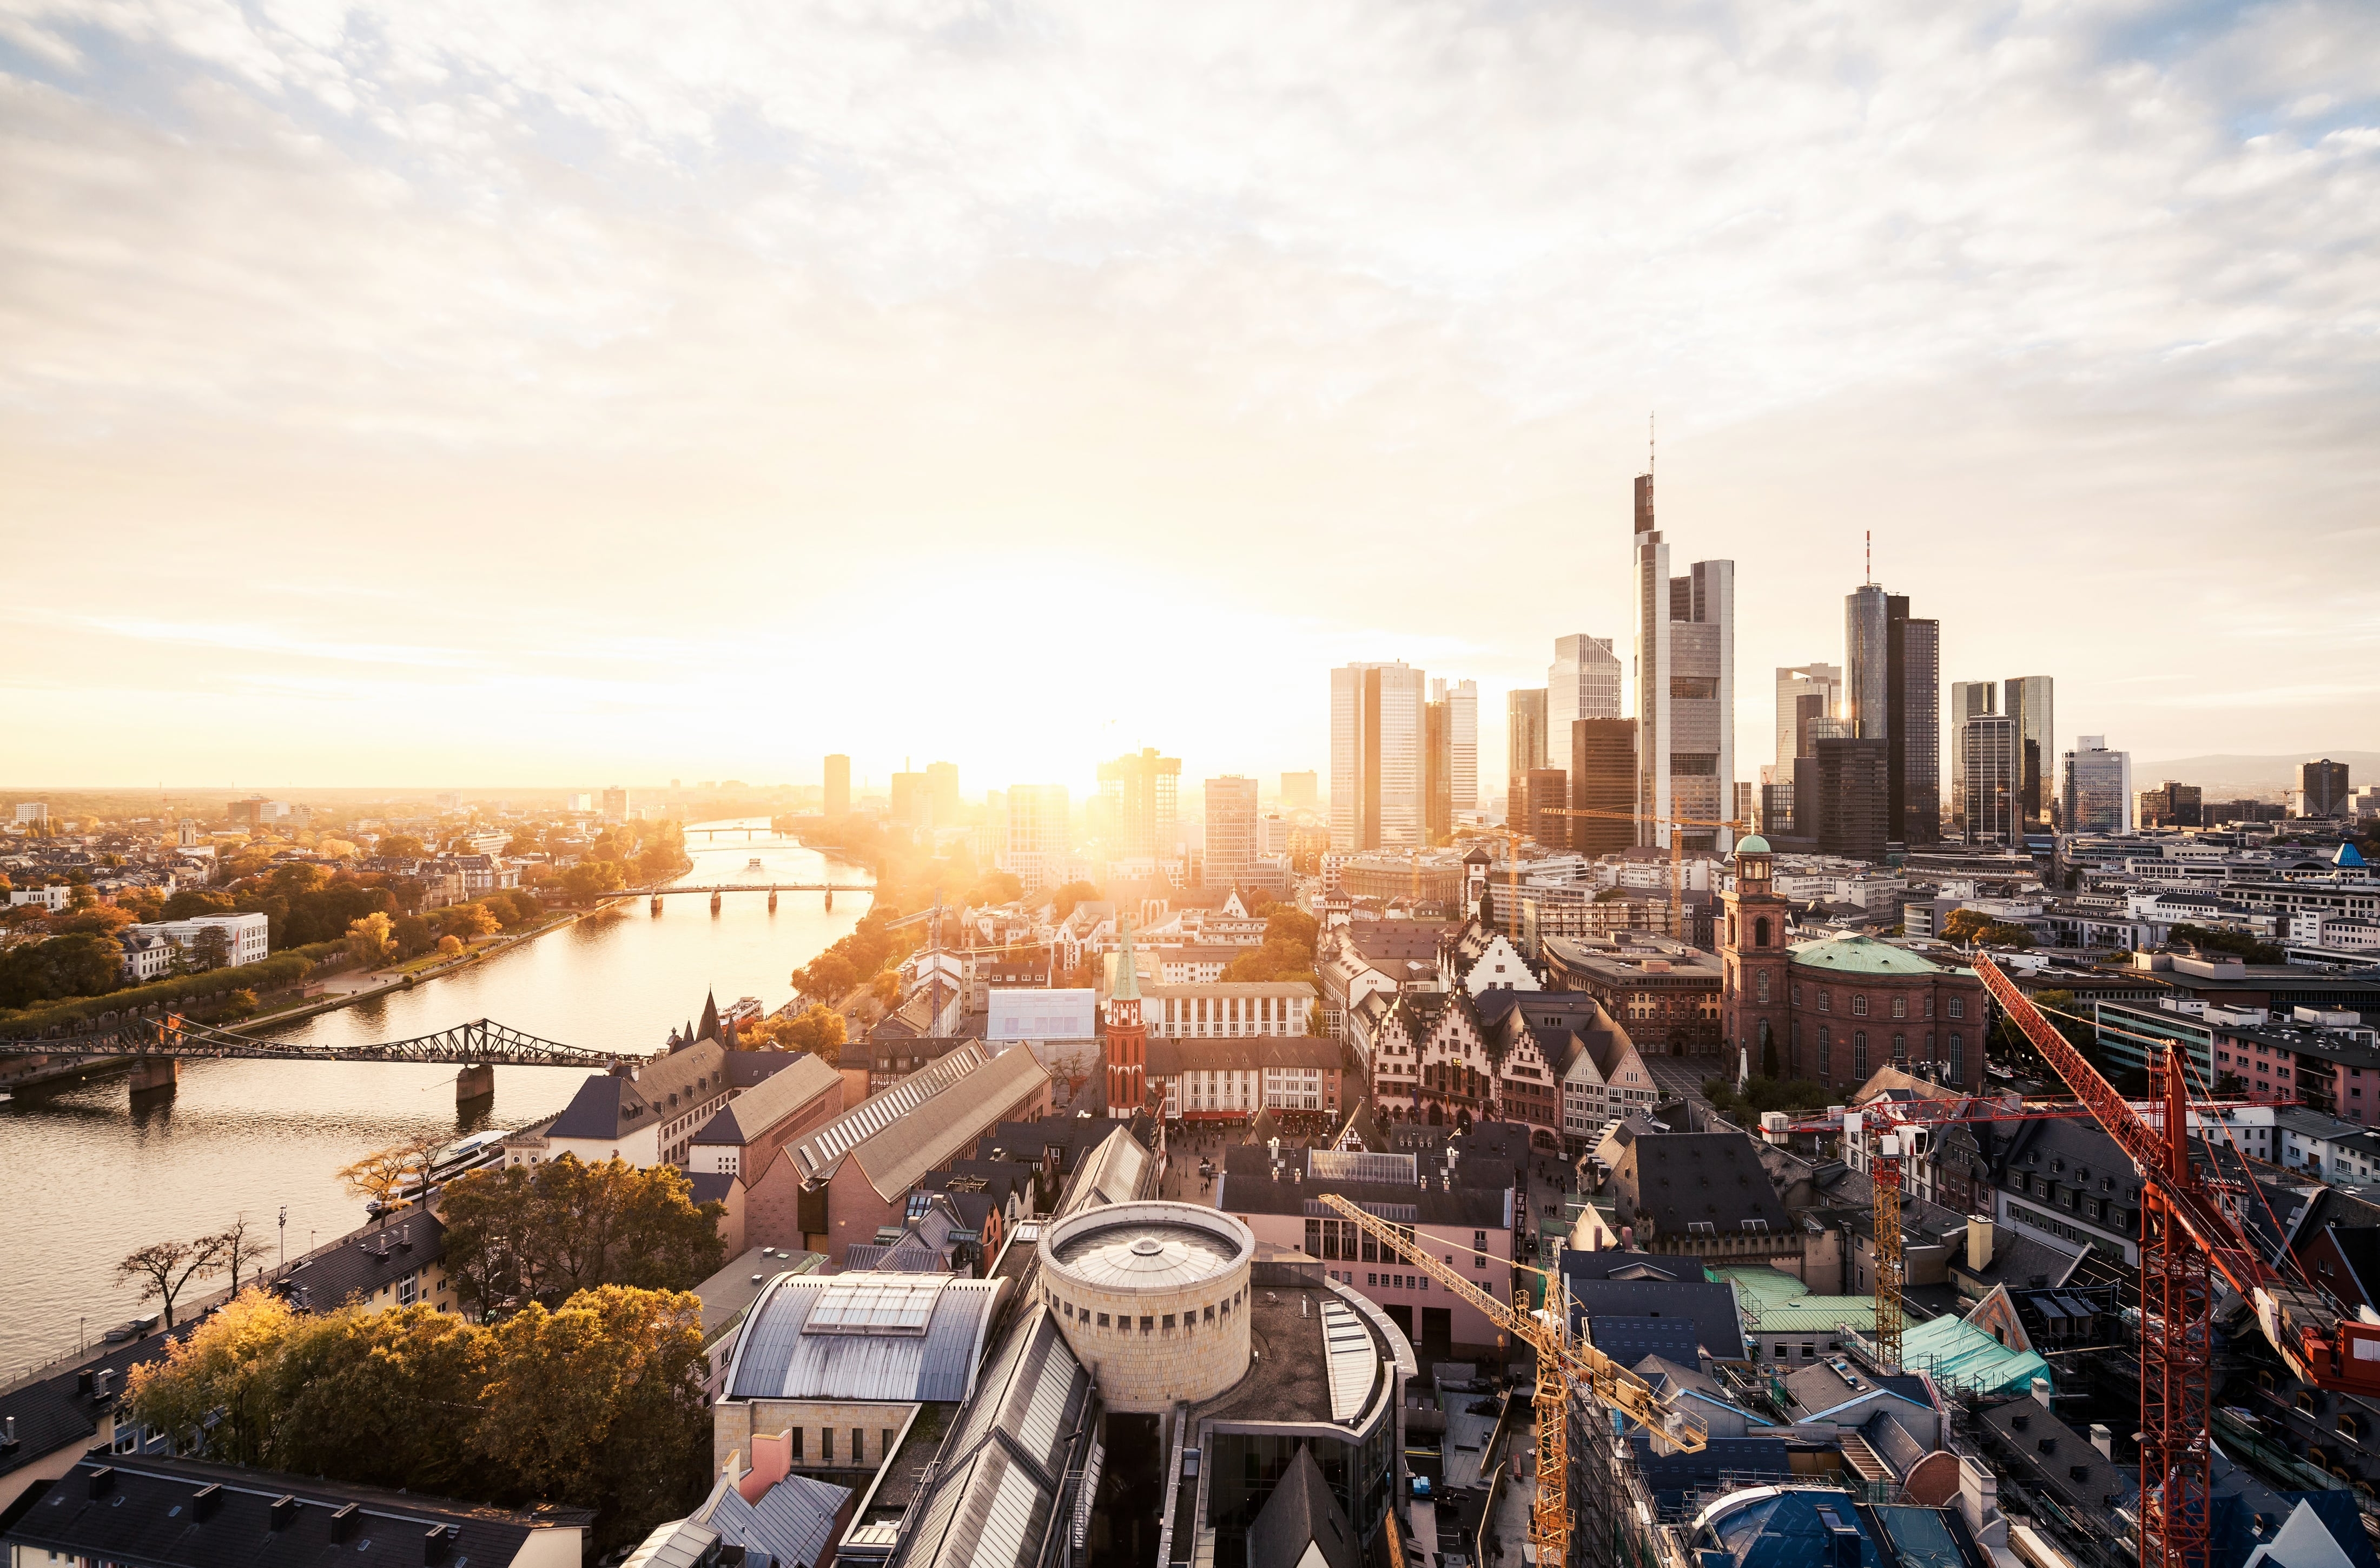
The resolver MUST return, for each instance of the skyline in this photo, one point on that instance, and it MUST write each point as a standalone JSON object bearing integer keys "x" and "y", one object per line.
{"x": 397, "y": 396}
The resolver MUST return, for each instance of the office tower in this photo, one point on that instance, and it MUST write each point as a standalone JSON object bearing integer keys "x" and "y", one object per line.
{"x": 1461, "y": 698}
{"x": 1602, "y": 778}
{"x": 2324, "y": 787}
{"x": 1988, "y": 775}
{"x": 942, "y": 793}
{"x": 1139, "y": 803}
{"x": 1582, "y": 682}
{"x": 1744, "y": 800}
{"x": 1545, "y": 794}
{"x": 2098, "y": 788}
{"x": 1685, "y": 687}
{"x": 1805, "y": 692}
{"x": 838, "y": 785}
{"x": 1525, "y": 744}
{"x": 1039, "y": 838}
{"x": 1231, "y": 834}
{"x": 1841, "y": 797}
{"x": 1776, "y": 808}
{"x": 615, "y": 804}
{"x": 2173, "y": 805}
{"x": 1892, "y": 673}
{"x": 1375, "y": 756}
{"x": 913, "y": 804}
{"x": 1300, "y": 792}
{"x": 1437, "y": 770}
{"x": 2027, "y": 702}
{"x": 1969, "y": 699}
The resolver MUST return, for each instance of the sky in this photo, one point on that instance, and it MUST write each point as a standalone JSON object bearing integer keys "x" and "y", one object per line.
{"x": 447, "y": 393}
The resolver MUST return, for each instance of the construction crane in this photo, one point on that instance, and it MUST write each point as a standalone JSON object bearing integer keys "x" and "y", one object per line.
{"x": 1561, "y": 1361}
{"x": 1677, "y": 850}
{"x": 2187, "y": 1239}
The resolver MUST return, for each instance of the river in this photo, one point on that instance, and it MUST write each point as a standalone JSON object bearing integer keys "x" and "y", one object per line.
{"x": 85, "y": 1178}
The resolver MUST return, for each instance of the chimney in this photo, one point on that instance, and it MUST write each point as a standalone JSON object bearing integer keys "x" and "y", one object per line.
{"x": 99, "y": 1381}
{"x": 205, "y": 1501}
{"x": 344, "y": 1522}
{"x": 103, "y": 1480}
{"x": 283, "y": 1513}
{"x": 9, "y": 1432}
{"x": 1979, "y": 1240}
{"x": 437, "y": 1544}
{"x": 2041, "y": 1392}
{"x": 2103, "y": 1439}
{"x": 83, "y": 1381}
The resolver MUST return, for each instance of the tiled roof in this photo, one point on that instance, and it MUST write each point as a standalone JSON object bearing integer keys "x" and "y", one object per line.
{"x": 753, "y": 1112}
{"x": 1301, "y": 1523}
{"x": 358, "y": 1268}
{"x": 635, "y": 1095}
{"x": 933, "y": 1130}
{"x": 1684, "y": 1179}
{"x": 53, "y": 1413}
{"x": 1172, "y": 1054}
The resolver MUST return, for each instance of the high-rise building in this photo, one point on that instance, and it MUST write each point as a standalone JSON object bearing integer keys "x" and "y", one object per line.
{"x": 615, "y": 804}
{"x": 1437, "y": 770}
{"x": 1602, "y": 778}
{"x": 1462, "y": 701}
{"x": 1988, "y": 778}
{"x": 1545, "y": 795}
{"x": 2324, "y": 785}
{"x": 913, "y": 802}
{"x": 2098, "y": 788}
{"x": 2173, "y": 805}
{"x": 1140, "y": 797}
{"x": 838, "y": 785}
{"x": 943, "y": 792}
{"x": 1376, "y": 741}
{"x": 1583, "y": 682}
{"x": 1233, "y": 842}
{"x": 1039, "y": 835}
{"x": 1301, "y": 791}
{"x": 1804, "y": 693}
{"x": 1841, "y": 795}
{"x": 1893, "y": 665}
{"x": 1685, "y": 687}
{"x": 1969, "y": 699}
{"x": 2028, "y": 701}
{"x": 1525, "y": 744}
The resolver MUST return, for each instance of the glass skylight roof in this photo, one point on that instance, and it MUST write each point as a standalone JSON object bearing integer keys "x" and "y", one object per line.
{"x": 874, "y": 1306}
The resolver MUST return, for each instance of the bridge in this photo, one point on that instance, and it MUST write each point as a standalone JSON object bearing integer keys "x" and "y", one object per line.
{"x": 670, "y": 889}
{"x": 156, "y": 1049}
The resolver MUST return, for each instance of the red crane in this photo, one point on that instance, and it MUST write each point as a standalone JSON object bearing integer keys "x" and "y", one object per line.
{"x": 2186, "y": 1240}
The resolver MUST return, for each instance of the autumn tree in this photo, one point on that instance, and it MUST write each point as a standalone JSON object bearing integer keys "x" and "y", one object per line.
{"x": 371, "y": 939}
{"x": 523, "y": 1233}
{"x": 816, "y": 1030}
{"x": 378, "y": 1175}
{"x": 829, "y": 978}
{"x": 469, "y": 920}
{"x": 162, "y": 1268}
{"x": 218, "y": 1380}
{"x": 399, "y": 846}
{"x": 1066, "y": 898}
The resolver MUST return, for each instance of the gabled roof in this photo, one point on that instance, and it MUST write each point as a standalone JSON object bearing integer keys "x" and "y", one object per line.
{"x": 636, "y": 1094}
{"x": 753, "y": 1112}
{"x": 1711, "y": 1307}
{"x": 357, "y": 1268}
{"x": 1715, "y": 1179}
{"x": 894, "y": 1157}
{"x": 2053, "y": 1450}
{"x": 53, "y": 1414}
{"x": 1303, "y": 1513}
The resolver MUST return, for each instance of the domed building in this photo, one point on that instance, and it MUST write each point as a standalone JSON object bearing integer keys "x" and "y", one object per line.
{"x": 1835, "y": 1010}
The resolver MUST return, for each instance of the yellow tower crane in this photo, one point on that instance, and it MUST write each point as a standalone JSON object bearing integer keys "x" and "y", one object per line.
{"x": 1562, "y": 1362}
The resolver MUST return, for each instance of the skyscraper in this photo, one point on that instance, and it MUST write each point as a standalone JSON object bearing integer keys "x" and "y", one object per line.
{"x": 2323, "y": 785}
{"x": 1583, "y": 682}
{"x": 1893, "y": 690}
{"x": 1685, "y": 687}
{"x": 1232, "y": 843}
{"x": 1805, "y": 692}
{"x": 1437, "y": 770}
{"x": 1461, "y": 699}
{"x": 1987, "y": 776}
{"x": 2173, "y": 805}
{"x": 1375, "y": 756}
{"x": 1039, "y": 835}
{"x": 1969, "y": 699}
{"x": 1544, "y": 791}
{"x": 2027, "y": 700}
{"x": 1602, "y": 778}
{"x": 913, "y": 804}
{"x": 1140, "y": 795}
{"x": 838, "y": 785}
{"x": 1840, "y": 792}
{"x": 2098, "y": 788}
{"x": 1525, "y": 744}
{"x": 943, "y": 788}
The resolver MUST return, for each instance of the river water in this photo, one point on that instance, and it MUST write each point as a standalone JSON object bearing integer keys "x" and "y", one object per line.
{"x": 85, "y": 1178}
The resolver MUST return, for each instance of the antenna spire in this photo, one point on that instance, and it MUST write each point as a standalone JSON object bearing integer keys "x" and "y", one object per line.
{"x": 1869, "y": 565}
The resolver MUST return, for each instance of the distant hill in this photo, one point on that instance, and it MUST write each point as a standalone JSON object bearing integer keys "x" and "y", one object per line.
{"x": 2254, "y": 775}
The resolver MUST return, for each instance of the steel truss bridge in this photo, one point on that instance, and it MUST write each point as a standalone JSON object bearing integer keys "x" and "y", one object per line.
{"x": 669, "y": 889}
{"x": 481, "y": 1043}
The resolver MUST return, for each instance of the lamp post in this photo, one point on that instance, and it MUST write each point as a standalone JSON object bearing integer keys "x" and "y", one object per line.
{"x": 284, "y": 1236}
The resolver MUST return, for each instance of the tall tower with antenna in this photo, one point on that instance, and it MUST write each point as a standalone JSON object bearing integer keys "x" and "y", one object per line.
{"x": 1686, "y": 683}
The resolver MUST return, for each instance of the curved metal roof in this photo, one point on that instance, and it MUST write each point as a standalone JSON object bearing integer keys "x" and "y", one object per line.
{"x": 1146, "y": 1246}
{"x": 1865, "y": 955}
{"x": 864, "y": 1335}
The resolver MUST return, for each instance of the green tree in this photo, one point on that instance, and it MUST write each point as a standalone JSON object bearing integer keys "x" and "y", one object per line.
{"x": 590, "y": 880}
{"x": 211, "y": 948}
{"x": 80, "y": 965}
{"x": 1066, "y": 898}
{"x": 399, "y": 846}
{"x": 218, "y": 1380}
{"x": 389, "y": 1399}
{"x": 543, "y": 1233}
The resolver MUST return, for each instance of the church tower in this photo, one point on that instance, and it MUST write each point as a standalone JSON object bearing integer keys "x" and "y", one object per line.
{"x": 1126, "y": 1047}
{"x": 1758, "y": 1010}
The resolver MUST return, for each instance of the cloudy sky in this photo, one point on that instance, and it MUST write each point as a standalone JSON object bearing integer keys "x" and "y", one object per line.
{"x": 457, "y": 392}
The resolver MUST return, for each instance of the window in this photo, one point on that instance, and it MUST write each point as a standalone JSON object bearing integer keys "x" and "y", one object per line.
{"x": 858, "y": 1455}
{"x": 826, "y": 1445}
{"x": 1900, "y": 1007}
{"x": 1859, "y": 1051}
{"x": 1859, "y": 1005}
{"x": 1826, "y": 1000}
{"x": 1797, "y": 993}
{"x": 1957, "y": 1006}
{"x": 1103, "y": 1319}
{"x": 1761, "y": 980}
{"x": 1148, "y": 1323}
{"x": 1957, "y": 1060}
{"x": 1826, "y": 1052}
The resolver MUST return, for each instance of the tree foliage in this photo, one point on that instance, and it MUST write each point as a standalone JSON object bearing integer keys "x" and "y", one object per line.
{"x": 528, "y": 1233}
{"x": 82, "y": 965}
{"x": 1975, "y": 926}
{"x": 371, "y": 939}
{"x": 597, "y": 1402}
{"x": 2236, "y": 944}
{"x": 818, "y": 1030}
{"x": 162, "y": 1269}
{"x": 1063, "y": 900}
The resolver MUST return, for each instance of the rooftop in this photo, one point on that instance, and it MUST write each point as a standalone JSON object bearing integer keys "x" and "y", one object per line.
{"x": 864, "y": 1335}
{"x": 1867, "y": 955}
